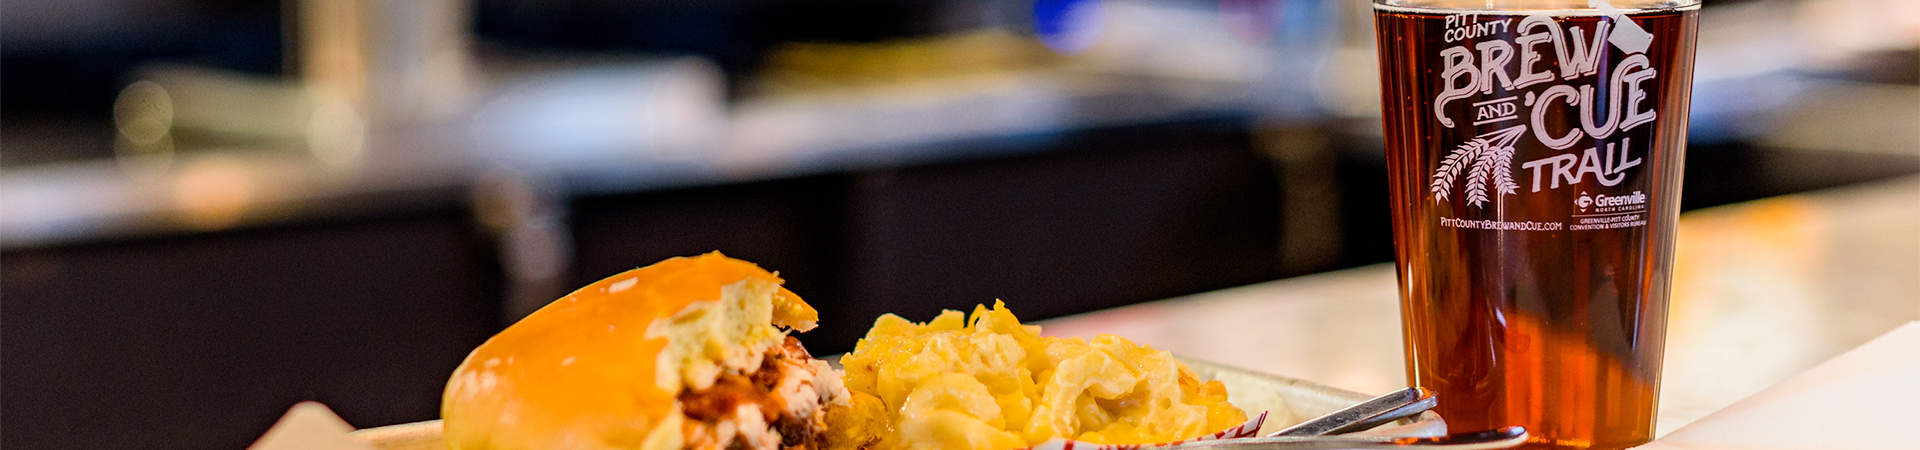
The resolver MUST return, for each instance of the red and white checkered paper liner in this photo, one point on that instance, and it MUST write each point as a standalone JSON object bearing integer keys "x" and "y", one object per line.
{"x": 1245, "y": 430}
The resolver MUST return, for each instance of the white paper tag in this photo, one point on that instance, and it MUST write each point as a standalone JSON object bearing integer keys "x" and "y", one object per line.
{"x": 309, "y": 426}
{"x": 1627, "y": 35}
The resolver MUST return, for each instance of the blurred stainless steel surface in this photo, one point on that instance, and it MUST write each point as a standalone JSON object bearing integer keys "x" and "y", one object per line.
{"x": 1762, "y": 290}
{"x": 385, "y": 61}
{"x": 630, "y": 128}
{"x": 1851, "y": 117}
{"x": 388, "y": 104}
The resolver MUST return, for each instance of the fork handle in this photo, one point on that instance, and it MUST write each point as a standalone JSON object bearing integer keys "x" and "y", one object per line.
{"x": 1482, "y": 440}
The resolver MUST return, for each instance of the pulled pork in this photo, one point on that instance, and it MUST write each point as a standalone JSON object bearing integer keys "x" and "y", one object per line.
{"x": 781, "y": 406}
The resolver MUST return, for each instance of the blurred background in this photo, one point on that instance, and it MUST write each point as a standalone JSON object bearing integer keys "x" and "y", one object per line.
{"x": 212, "y": 209}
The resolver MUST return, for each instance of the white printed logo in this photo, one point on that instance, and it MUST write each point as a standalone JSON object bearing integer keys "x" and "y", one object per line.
{"x": 1583, "y": 202}
{"x": 1578, "y": 80}
{"x": 1491, "y": 156}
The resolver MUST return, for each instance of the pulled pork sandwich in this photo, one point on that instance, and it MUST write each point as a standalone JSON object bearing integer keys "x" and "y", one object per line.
{"x": 689, "y": 353}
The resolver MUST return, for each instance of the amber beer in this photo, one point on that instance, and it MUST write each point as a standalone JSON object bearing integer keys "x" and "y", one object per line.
{"x": 1534, "y": 154}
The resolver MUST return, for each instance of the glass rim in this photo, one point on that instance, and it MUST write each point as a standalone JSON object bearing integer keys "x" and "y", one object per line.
{"x": 1522, "y": 7}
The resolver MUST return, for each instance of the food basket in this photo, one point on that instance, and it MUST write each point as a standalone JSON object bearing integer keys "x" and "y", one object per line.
{"x": 1287, "y": 401}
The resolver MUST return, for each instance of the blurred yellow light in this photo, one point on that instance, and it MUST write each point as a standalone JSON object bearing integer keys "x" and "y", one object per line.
{"x": 213, "y": 192}
{"x": 143, "y": 112}
{"x": 143, "y": 117}
{"x": 337, "y": 134}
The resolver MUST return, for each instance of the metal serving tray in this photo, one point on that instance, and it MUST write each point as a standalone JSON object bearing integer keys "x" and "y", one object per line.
{"x": 1289, "y": 401}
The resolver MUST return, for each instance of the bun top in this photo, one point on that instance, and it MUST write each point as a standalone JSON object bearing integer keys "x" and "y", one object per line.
{"x": 602, "y": 367}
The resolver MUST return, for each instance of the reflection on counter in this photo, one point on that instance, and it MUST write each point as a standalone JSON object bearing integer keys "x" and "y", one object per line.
{"x": 1762, "y": 291}
{"x": 1768, "y": 289}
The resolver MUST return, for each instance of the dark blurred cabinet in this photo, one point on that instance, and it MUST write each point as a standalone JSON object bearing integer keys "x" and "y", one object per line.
{"x": 1111, "y": 219}
{"x": 201, "y": 341}
{"x": 1093, "y": 220}
{"x": 791, "y": 226}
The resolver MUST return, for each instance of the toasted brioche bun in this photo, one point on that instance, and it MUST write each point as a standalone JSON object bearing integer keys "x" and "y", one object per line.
{"x": 601, "y": 367}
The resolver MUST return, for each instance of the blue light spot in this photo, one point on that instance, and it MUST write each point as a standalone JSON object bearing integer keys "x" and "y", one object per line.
{"x": 1068, "y": 26}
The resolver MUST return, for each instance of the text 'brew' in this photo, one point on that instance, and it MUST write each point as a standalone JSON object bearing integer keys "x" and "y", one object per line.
{"x": 1535, "y": 161}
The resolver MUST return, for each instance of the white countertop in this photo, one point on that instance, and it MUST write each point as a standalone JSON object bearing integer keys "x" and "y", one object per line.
{"x": 1762, "y": 291}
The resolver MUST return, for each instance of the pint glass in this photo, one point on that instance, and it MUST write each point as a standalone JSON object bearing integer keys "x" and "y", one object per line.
{"x": 1534, "y": 150}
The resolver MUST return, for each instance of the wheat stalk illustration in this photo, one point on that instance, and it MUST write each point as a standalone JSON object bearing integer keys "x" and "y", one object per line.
{"x": 1477, "y": 178}
{"x": 1490, "y": 156}
{"x": 1450, "y": 167}
{"x": 1503, "y": 178}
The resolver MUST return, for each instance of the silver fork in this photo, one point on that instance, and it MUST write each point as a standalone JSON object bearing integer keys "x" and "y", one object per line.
{"x": 1483, "y": 440}
{"x": 1316, "y": 434}
{"x": 1368, "y": 414}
